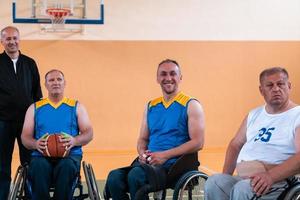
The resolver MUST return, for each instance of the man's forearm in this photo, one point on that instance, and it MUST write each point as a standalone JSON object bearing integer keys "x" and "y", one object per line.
{"x": 230, "y": 160}
{"x": 84, "y": 138}
{"x": 288, "y": 168}
{"x": 142, "y": 146}
{"x": 186, "y": 148}
{"x": 29, "y": 143}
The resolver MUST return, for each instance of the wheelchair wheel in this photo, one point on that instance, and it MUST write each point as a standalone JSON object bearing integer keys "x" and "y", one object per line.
{"x": 91, "y": 181}
{"x": 293, "y": 193}
{"x": 190, "y": 186}
{"x": 17, "y": 190}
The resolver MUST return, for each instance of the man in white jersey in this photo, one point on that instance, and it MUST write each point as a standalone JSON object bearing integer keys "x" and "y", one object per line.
{"x": 265, "y": 150}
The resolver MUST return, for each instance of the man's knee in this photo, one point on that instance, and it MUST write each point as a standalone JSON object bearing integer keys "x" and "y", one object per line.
{"x": 210, "y": 183}
{"x": 219, "y": 186}
{"x": 67, "y": 165}
{"x": 65, "y": 171}
{"x": 215, "y": 181}
{"x": 114, "y": 177}
{"x": 242, "y": 190}
{"x": 136, "y": 175}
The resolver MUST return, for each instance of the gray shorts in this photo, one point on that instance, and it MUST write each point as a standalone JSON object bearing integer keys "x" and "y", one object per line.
{"x": 224, "y": 186}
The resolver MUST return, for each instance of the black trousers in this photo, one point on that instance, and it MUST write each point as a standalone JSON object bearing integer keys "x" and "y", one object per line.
{"x": 9, "y": 132}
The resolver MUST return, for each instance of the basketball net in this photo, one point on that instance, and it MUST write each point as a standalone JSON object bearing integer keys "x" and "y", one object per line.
{"x": 58, "y": 17}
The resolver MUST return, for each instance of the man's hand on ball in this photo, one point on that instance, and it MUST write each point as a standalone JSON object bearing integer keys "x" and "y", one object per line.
{"x": 69, "y": 141}
{"x": 41, "y": 144}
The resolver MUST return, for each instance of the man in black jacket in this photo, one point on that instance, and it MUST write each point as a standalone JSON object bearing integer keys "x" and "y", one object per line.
{"x": 19, "y": 88}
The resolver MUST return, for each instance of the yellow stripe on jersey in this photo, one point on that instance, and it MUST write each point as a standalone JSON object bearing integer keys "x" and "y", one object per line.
{"x": 155, "y": 101}
{"x": 180, "y": 98}
{"x": 40, "y": 103}
{"x": 65, "y": 100}
{"x": 183, "y": 99}
{"x": 70, "y": 102}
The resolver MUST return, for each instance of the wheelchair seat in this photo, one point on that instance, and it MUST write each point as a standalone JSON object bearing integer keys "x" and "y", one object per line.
{"x": 21, "y": 189}
{"x": 183, "y": 177}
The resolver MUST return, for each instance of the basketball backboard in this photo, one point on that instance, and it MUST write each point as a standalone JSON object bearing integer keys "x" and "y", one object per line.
{"x": 80, "y": 11}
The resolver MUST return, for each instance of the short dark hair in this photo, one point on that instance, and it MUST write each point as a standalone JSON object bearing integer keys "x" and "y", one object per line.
{"x": 54, "y": 70}
{"x": 8, "y": 27}
{"x": 271, "y": 71}
{"x": 169, "y": 61}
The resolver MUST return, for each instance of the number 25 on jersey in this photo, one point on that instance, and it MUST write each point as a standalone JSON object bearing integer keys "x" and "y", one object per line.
{"x": 264, "y": 134}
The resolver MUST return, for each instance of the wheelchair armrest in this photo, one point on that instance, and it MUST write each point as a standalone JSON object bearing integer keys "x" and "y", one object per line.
{"x": 184, "y": 163}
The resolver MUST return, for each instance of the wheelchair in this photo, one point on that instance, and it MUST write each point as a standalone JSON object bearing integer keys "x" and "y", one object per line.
{"x": 21, "y": 190}
{"x": 293, "y": 191}
{"x": 183, "y": 177}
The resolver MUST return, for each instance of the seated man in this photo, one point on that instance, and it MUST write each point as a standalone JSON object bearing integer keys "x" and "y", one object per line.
{"x": 55, "y": 114}
{"x": 172, "y": 125}
{"x": 265, "y": 149}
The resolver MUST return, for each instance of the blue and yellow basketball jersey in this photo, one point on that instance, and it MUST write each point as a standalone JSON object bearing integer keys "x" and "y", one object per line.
{"x": 56, "y": 118}
{"x": 168, "y": 124}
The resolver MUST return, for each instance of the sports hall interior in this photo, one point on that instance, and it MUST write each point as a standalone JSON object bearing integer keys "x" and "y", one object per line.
{"x": 221, "y": 46}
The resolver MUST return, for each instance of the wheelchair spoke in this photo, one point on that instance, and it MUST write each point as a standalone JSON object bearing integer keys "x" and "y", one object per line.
{"x": 293, "y": 193}
{"x": 296, "y": 196}
{"x": 91, "y": 182}
{"x": 17, "y": 188}
{"x": 94, "y": 183}
{"x": 191, "y": 186}
{"x": 193, "y": 189}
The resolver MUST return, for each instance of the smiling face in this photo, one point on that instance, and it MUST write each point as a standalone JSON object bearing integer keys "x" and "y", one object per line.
{"x": 275, "y": 89}
{"x": 10, "y": 40}
{"x": 55, "y": 84}
{"x": 169, "y": 77}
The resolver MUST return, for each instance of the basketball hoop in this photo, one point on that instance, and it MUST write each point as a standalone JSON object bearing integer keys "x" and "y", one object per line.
{"x": 58, "y": 16}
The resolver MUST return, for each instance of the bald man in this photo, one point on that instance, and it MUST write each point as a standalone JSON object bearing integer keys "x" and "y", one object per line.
{"x": 19, "y": 87}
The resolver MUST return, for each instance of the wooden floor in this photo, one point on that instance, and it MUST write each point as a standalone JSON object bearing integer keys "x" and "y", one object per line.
{"x": 103, "y": 161}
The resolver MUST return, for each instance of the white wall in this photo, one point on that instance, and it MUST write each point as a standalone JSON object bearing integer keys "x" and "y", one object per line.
{"x": 183, "y": 20}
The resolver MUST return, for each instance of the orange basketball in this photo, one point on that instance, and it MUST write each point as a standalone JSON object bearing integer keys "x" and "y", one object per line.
{"x": 54, "y": 147}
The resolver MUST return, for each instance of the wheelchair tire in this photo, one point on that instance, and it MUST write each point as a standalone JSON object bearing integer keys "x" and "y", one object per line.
{"x": 190, "y": 186}
{"x": 17, "y": 187}
{"x": 91, "y": 181}
{"x": 293, "y": 193}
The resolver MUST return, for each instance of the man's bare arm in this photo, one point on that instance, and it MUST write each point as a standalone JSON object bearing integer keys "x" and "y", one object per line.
{"x": 27, "y": 135}
{"x": 85, "y": 129}
{"x": 142, "y": 143}
{"x": 234, "y": 148}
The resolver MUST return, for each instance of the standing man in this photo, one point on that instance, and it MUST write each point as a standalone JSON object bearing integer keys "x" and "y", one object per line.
{"x": 55, "y": 114}
{"x": 266, "y": 149}
{"x": 172, "y": 125}
{"x": 19, "y": 87}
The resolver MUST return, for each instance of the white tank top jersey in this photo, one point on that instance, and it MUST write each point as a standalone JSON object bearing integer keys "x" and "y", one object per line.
{"x": 270, "y": 137}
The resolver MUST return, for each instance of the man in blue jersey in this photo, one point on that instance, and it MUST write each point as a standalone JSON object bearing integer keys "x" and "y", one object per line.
{"x": 265, "y": 149}
{"x": 55, "y": 114}
{"x": 172, "y": 125}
